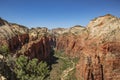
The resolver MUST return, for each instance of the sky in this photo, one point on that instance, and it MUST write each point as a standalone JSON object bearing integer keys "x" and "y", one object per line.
{"x": 56, "y": 13}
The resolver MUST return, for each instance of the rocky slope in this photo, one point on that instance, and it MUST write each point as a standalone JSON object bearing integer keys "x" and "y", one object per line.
{"x": 100, "y": 57}
{"x": 13, "y": 35}
{"x": 72, "y": 42}
{"x": 35, "y": 42}
{"x": 97, "y": 45}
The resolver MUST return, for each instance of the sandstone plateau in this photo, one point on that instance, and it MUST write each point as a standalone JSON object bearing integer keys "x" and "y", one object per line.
{"x": 97, "y": 45}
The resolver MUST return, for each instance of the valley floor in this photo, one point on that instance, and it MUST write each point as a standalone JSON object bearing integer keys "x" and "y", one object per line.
{"x": 64, "y": 68}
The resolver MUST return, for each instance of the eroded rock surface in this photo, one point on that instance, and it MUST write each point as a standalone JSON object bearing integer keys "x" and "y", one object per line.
{"x": 97, "y": 45}
{"x": 34, "y": 43}
{"x": 98, "y": 48}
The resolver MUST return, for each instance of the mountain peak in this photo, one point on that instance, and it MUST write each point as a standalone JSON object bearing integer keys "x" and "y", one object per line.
{"x": 2, "y": 21}
{"x": 108, "y": 15}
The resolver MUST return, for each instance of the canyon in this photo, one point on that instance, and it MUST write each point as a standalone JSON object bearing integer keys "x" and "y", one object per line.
{"x": 97, "y": 45}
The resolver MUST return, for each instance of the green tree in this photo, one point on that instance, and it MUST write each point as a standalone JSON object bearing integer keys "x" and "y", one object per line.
{"x": 30, "y": 69}
{"x": 4, "y": 50}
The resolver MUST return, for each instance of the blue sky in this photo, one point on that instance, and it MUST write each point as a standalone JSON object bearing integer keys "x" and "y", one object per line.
{"x": 56, "y": 13}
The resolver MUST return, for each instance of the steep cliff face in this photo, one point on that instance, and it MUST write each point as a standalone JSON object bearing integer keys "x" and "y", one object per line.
{"x": 35, "y": 42}
{"x": 97, "y": 47}
{"x": 40, "y": 49}
{"x": 13, "y": 35}
{"x": 100, "y": 57}
{"x": 101, "y": 63}
{"x": 40, "y": 44}
{"x": 72, "y": 42}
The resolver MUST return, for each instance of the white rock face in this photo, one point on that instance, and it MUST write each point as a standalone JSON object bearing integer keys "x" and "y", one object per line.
{"x": 105, "y": 27}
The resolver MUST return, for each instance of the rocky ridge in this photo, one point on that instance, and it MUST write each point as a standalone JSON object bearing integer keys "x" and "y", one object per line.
{"x": 97, "y": 45}
{"x": 34, "y": 43}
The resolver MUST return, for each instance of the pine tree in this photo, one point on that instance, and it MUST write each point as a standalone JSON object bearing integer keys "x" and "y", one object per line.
{"x": 30, "y": 69}
{"x": 4, "y": 50}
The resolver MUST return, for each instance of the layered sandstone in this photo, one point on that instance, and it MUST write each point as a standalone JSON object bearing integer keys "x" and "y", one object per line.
{"x": 98, "y": 48}
{"x": 34, "y": 43}
{"x": 13, "y": 35}
{"x": 72, "y": 42}
{"x": 39, "y": 49}
{"x": 97, "y": 45}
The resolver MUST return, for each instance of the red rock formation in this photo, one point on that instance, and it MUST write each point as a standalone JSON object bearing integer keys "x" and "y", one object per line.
{"x": 71, "y": 42}
{"x": 101, "y": 63}
{"x": 34, "y": 43}
{"x": 97, "y": 45}
{"x": 99, "y": 51}
{"x": 13, "y": 35}
{"x": 40, "y": 49}
{"x": 18, "y": 41}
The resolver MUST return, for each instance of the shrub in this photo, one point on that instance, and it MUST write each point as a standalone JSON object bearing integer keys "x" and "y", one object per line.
{"x": 4, "y": 50}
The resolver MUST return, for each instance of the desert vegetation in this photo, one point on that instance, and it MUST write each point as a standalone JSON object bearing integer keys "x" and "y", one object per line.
{"x": 64, "y": 69}
{"x": 21, "y": 68}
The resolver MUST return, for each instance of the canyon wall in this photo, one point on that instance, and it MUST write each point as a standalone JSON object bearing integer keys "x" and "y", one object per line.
{"x": 34, "y": 43}
{"x": 97, "y": 45}
{"x": 13, "y": 35}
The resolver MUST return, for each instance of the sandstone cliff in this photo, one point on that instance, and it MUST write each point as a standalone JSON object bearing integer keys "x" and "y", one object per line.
{"x": 97, "y": 45}
{"x": 72, "y": 42}
{"x": 13, "y": 35}
{"x": 35, "y": 42}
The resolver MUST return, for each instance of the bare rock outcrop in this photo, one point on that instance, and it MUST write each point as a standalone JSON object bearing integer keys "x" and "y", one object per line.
{"x": 97, "y": 45}
{"x": 34, "y": 43}
{"x": 13, "y": 35}
{"x": 39, "y": 49}
{"x": 72, "y": 42}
